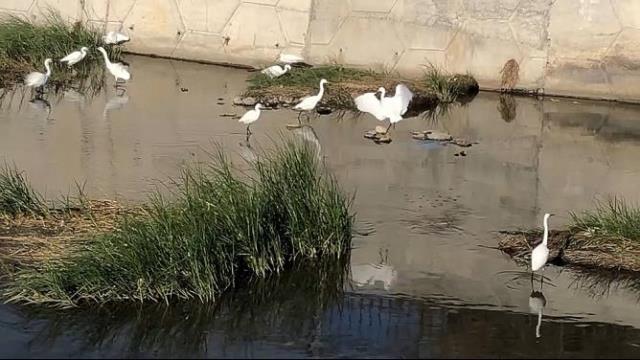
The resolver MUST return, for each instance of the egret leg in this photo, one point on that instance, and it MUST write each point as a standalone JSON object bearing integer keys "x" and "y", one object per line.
{"x": 299, "y": 115}
{"x": 248, "y": 130}
{"x": 388, "y": 127}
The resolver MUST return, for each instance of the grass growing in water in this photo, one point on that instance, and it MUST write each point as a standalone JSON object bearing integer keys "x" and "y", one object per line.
{"x": 17, "y": 197}
{"x": 222, "y": 228}
{"x": 25, "y": 45}
{"x": 441, "y": 84}
{"x": 613, "y": 218}
{"x": 310, "y": 77}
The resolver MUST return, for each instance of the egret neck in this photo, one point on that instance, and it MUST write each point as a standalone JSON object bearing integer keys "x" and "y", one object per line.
{"x": 546, "y": 230}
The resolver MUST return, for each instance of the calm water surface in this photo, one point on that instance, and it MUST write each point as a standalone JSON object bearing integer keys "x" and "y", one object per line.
{"x": 424, "y": 283}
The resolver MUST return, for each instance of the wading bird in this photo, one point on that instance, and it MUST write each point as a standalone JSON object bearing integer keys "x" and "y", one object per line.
{"x": 116, "y": 69}
{"x": 537, "y": 302}
{"x": 309, "y": 103}
{"x": 113, "y": 37}
{"x": 37, "y": 79}
{"x": 540, "y": 253}
{"x": 250, "y": 117}
{"x": 387, "y": 107}
{"x": 75, "y": 57}
{"x": 276, "y": 71}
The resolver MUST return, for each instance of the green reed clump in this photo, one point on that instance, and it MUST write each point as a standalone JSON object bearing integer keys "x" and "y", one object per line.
{"x": 612, "y": 218}
{"x": 24, "y": 46}
{"x": 440, "y": 82}
{"x": 310, "y": 77}
{"x": 223, "y": 227}
{"x": 17, "y": 196}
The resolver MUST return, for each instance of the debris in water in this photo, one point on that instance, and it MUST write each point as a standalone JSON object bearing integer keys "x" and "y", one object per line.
{"x": 228, "y": 115}
{"x": 184, "y": 89}
{"x": 382, "y": 139}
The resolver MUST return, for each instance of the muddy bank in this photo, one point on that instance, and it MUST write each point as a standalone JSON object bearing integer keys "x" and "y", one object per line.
{"x": 27, "y": 239}
{"x": 575, "y": 249}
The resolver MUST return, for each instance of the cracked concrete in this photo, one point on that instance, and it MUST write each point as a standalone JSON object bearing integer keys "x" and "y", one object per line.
{"x": 569, "y": 47}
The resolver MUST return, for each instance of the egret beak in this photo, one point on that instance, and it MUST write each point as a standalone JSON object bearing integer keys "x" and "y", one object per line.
{"x": 552, "y": 214}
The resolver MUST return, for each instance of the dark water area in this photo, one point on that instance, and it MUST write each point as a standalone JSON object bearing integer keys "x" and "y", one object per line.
{"x": 423, "y": 282}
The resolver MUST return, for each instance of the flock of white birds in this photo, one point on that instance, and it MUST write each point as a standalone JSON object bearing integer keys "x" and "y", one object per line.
{"x": 382, "y": 108}
{"x": 118, "y": 70}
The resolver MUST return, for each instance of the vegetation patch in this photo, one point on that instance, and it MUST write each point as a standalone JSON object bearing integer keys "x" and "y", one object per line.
{"x": 607, "y": 237}
{"x": 346, "y": 83}
{"x": 25, "y": 45}
{"x": 222, "y": 227}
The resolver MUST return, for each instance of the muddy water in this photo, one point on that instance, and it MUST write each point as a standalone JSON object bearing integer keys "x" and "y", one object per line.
{"x": 423, "y": 283}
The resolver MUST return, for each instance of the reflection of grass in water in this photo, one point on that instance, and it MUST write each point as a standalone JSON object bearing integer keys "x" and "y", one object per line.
{"x": 221, "y": 229}
{"x": 612, "y": 218}
{"x": 287, "y": 302}
{"x": 507, "y": 107}
{"x": 25, "y": 45}
{"x": 599, "y": 284}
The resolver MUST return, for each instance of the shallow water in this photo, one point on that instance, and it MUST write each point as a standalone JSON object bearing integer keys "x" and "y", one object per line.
{"x": 424, "y": 283}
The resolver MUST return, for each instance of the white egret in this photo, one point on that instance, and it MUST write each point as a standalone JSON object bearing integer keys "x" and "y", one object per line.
{"x": 540, "y": 253}
{"x": 369, "y": 103}
{"x": 113, "y": 37}
{"x": 276, "y": 71}
{"x": 75, "y": 57}
{"x": 38, "y": 79}
{"x": 391, "y": 108}
{"x": 290, "y": 59}
{"x": 309, "y": 103}
{"x": 116, "y": 69}
{"x": 250, "y": 117}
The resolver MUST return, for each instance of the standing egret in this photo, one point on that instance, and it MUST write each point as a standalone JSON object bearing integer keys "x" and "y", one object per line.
{"x": 540, "y": 253}
{"x": 290, "y": 59}
{"x": 250, "y": 117}
{"x": 276, "y": 71}
{"x": 113, "y": 37}
{"x": 309, "y": 103}
{"x": 75, "y": 57}
{"x": 116, "y": 69}
{"x": 38, "y": 79}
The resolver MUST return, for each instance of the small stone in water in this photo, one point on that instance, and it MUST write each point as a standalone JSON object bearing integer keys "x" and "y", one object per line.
{"x": 370, "y": 134}
{"x": 228, "y": 115}
{"x": 439, "y": 136}
{"x": 237, "y": 100}
{"x": 249, "y": 101}
{"x": 381, "y": 129}
{"x": 384, "y": 139}
{"x": 323, "y": 110}
{"x": 461, "y": 142}
{"x": 419, "y": 136}
{"x": 184, "y": 89}
{"x": 293, "y": 126}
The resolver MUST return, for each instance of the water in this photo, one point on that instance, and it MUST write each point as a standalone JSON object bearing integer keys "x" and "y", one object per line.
{"x": 423, "y": 283}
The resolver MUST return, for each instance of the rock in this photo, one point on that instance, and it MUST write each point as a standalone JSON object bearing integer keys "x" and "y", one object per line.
{"x": 285, "y": 100}
{"x": 370, "y": 134}
{"x": 184, "y": 89}
{"x": 323, "y": 110}
{"x": 220, "y": 103}
{"x": 462, "y": 153}
{"x": 383, "y": 139}
{"x": 293, "y": 126}
{"x": 237, "y": 100}
{"x": 271, "y": 102}
{"x": 419, "y": 136}
{"x": 249, "y": 101}
{"x": 228, "y": 115}
{"x": 381, "y": 130}
{"x": 438, "y": 136}
{"x": 461, "y": 142}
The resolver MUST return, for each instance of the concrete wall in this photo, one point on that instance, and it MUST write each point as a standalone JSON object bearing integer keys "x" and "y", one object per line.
{"x": 569, "y": 47}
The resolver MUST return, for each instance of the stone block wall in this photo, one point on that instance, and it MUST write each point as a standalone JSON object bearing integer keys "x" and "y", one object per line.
{"x": 569, "y": 47}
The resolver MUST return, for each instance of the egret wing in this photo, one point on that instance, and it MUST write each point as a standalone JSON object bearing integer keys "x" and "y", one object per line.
{"x": 369, "y": 103}
{"x": 403, "y": 96}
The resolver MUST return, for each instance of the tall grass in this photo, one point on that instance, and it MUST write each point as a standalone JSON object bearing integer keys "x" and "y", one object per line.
{"x": 25, "y": 45}
{"x": 612, "y": 218}
{"x": 310, "y": 77}
{"x": 440, "y": 83}
{"x": 17, "y": 196}
{"x": 223, "y": 227}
